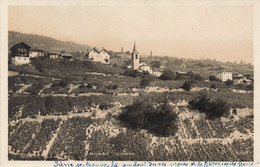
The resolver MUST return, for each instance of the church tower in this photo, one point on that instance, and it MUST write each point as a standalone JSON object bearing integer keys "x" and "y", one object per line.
{"x": 135, "y": 59}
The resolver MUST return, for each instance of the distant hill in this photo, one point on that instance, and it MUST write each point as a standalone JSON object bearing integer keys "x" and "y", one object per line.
{"x": 45, "y": 43}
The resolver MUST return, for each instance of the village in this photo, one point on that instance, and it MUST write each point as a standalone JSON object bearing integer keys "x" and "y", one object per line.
{"x": 21, "y": 53}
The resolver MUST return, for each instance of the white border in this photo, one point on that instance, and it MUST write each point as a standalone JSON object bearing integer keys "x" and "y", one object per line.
{"x": 4, "y": 51}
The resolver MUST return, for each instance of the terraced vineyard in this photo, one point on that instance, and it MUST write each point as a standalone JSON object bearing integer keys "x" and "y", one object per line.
{"x": 75, "y": 125}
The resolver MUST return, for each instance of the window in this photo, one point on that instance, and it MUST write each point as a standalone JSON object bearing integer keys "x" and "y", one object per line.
{"x": 136, "y": 56}
{"x": 106, "y": 60}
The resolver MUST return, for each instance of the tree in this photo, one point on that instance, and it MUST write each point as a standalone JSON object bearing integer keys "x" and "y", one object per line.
{"x": 198, "y": 77}
{"x": 218, "y": 108}
{"x": 132, "y": 73}
{"x": 213, "y": 78}
{"x": 168, "y": 75}
{"x": 213, "y": 86}
{"x": 145, "y": 82}
{"x": 156, "y": 64}
{"x": 229, "y": 82}
{"x": 190, "y": 74}
{"x": 250, "y": 87}
{"x": 212, "y": 108}
{"x": 160, "y": 119}
{"x": 187, "y": 85}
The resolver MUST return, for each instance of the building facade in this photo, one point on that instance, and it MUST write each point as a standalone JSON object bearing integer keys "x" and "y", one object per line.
{"x": 20, "y": 53}
{"x": 53, "y": 55}
{"x": 96, "y": 56}
{"x": 35, "y": 53}
{"x": 65, "y": 56}
{"x": 144, "y": 67}
{"x": 224, "y": 76}
{"x": 135, "y": 59}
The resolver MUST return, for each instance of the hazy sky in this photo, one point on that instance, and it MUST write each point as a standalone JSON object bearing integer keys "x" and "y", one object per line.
{"x": 221, "y": 32}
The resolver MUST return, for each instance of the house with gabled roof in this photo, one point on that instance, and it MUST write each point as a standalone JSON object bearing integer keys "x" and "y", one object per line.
{"x": 36, "y": 52}
{"x": 102, "y": 56}
{"x": 20, "y": 53}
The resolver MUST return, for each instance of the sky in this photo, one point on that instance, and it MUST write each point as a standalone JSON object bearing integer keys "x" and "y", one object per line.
{"x": 223, "y": 33}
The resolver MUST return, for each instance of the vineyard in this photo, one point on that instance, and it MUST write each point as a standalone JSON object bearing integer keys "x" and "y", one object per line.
{"x": 59, "y": 119}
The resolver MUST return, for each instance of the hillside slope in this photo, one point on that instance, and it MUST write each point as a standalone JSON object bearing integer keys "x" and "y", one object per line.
{"x": 45, "y": 43}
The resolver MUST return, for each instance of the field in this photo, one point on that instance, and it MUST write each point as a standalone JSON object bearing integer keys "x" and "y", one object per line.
{"x": 77, "y": 118}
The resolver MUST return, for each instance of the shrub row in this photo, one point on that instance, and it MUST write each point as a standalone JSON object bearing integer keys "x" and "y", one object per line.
{"x": 34, "y": 105}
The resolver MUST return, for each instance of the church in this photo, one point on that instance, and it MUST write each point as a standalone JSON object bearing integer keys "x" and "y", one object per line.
{"x": 142, "y": 67}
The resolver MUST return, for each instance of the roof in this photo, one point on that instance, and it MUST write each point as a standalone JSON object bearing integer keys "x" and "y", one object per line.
{"x": 35, "y": 49}
{"x": 96, "y": 50}
{"x": 21, "y": 43}
{"x": 52, "y": 53}
{"x": 66, "y": 54}
{"x": 224, "y": 72}
{"x": 142, "y": 64}
{"x": 238, "y": 77}
{"x": 105, "y": 51}
{"x": 183, "y": 73}
{"x": 134, "y": 50}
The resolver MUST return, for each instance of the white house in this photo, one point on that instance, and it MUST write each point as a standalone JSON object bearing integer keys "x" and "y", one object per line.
{"x": 241, "y": 79}
{"x": 104, "y": 56}
{"x": 224, "y": 76}
{"x": 20, "y": 60}
{"x": 20, "y": 53}
{"x": 35, "y": 53}
{"x": 53, "y": 55}
{"x": 96, "y": 56}
{"x": 65, "y": 56}
{"x": 144, "y": 67}
{"x": 157, "y": 73}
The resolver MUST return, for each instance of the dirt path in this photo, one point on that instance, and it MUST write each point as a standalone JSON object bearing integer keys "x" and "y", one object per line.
{"x": 13, "y": 73}
{"x": 39, "y": 76}
{"x": 49, "y": 145}
{"x": 24, "y": 87}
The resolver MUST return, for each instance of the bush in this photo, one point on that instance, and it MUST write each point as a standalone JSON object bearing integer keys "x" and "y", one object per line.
{"x": 213, "y": 86}
{"x": 156, "y": 64}
{"x": 82, "y": 86}
{"x": 145, "y": 82}
{"x": 250, "y": 87}
{"x": 132, "y": 73}
{"x": 143, "y": 114}
{"x": 213, "y": 78}
{"x": 218, "y": 108}
{"x": 62, "y": 83}
{"x": 89, "y": 86}
{"x": 229, "y": 82}
{"x": 105, "y": 106}
{"x": 112, "y": 87}
{"x": 212, "y": 108}
{"x": 198, "y": 77}
{"x": 168, "y": 75}
{"x": 35, "y": 88}
{"x": 187, "y": 85}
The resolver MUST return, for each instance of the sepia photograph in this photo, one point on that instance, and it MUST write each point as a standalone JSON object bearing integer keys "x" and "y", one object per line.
{"x": 130, "y": 83}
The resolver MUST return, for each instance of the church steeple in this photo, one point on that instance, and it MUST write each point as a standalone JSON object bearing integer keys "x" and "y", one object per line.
{"x": 135, "y": 59}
